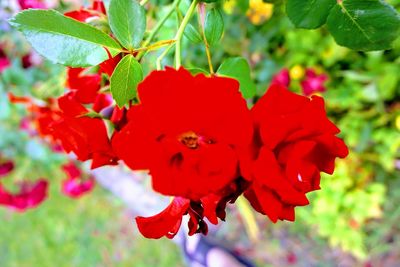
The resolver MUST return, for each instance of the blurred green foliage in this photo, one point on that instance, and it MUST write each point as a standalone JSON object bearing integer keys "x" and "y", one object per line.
{"x": 95, "y": 230}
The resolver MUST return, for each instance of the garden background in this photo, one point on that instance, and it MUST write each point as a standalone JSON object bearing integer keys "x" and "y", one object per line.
{"x": 352, "y": 221}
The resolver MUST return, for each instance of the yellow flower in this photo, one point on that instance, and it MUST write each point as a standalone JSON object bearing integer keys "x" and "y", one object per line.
{"x": 398, "y": 122}
{"x": 229, "y": 6}
{"x": 297, "y": 72}
{"x": 259, "y": 11}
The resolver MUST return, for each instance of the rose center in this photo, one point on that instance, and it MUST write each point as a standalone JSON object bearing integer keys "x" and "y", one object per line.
{"x": 190, "y": 139}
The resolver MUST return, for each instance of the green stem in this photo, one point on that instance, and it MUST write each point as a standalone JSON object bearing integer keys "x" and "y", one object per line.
{"x": 179, "y": 34}
{"x": 157, "y": 28}
{"x": 160, "y": 58}
{"x": 206, "y": 46}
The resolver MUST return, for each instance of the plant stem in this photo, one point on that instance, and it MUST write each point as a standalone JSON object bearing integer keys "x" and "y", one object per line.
{"x": 160, "y": 58}
{"x": 143, "y": 2}
{"x": 181, "y": 29}
{"x": 158, "y": 26}
{"x": 206, "y": 45}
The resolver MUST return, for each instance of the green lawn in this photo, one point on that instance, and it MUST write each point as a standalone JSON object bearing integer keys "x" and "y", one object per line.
{"x": 93, "y": 231}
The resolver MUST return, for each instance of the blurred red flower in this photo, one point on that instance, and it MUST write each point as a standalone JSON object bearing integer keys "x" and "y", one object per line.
{"x": 6, "y": 167}
{"x": 187, "y": 131}
{"x": 294, "y": 142}
{"x": 30, "y": 195}
{"x": 4, "y": 61}
{"x": 25, "y": 4}
{"x": 282, "y": 78}
{"x": 313, "y": 83}
{"x": 75, "y": 186}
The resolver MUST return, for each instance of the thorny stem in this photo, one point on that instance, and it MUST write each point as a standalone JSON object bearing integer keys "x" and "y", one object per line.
{"x": 206, "y": 45}
{"x": 179, "y": 34}
{"x": 158, "y": 26}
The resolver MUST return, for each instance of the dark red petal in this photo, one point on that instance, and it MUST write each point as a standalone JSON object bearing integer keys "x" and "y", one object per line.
{"x": 166, "y": 223}
{"x": 6, "y": 168}
{"x": 264, "y": 201}
{"x": 210, "y": 204}
{"x": 287, "y": 213}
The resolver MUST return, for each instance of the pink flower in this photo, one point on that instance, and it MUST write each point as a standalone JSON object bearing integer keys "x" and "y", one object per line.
{"x": 281, "y": 78}
{"x": 74, "y": 186}
{"x": 313, "y": 82}
{"x": 4, "y": 61}
{"x": 31, "y": 194}
{"x": 25, "y": 4}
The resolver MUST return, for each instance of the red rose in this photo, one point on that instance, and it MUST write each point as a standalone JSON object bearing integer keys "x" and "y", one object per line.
{"x": 30, "y": 195}
{"x": 86, "y": 137}
{"x": 186, "y": 131}
{"x": 295, "y": 141}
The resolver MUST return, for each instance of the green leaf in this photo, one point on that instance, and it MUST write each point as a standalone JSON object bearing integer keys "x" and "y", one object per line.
{"x": 192, "y": 34}
{"x": 125, "y": 79}
{"x": 243, "y": 5}
{"x": 239, "y": 69}
{"x": 364, "y": 24}
{"x": 213, "y": 26}
{"x": 195, "y": 71}
{"x": 309, "y": 14}
{"x": 64, "y": 40}
{"x": 127, "y": 21}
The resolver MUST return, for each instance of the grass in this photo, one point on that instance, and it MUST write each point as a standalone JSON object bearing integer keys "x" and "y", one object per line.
{"x": 92, "y": 231}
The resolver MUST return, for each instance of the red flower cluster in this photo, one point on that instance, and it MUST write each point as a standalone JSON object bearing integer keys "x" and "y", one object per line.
{"x": 202, "y": 145}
